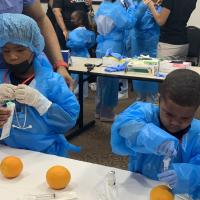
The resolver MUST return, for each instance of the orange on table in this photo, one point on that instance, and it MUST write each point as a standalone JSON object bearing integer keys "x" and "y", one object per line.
{"x": 161, "y": 192}
{"x": 58, "y": 177}
{"x": 11, "y": 166}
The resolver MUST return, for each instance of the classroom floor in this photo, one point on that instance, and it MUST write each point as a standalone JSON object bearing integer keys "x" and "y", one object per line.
{"x": 95, "y": 142}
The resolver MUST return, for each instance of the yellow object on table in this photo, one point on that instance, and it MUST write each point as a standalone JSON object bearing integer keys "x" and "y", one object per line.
{"x": 161, "y": 192}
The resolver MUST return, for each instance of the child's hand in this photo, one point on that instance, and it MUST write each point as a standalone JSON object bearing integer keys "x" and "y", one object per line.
{"x": 4, "y": 115}
{"x": 27, "y": 95}
{"x": 167, "y": 149}
{"x": 7, "y": 92}
{"x": 169, "y": 177}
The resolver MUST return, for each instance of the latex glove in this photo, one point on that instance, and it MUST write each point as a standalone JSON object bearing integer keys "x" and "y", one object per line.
{"x": 169, "y": 177}
{"x": 117, "y": 68}
{"x": 7, "y": 92}
{"x": 167, "y": 149}
{"x": 32, "y": 97}
{"x": 115, "y": 55}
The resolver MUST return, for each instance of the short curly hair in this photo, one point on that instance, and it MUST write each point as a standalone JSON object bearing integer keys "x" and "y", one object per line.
{"x": 83, "y": 17}
{"x": 182, "y": 86}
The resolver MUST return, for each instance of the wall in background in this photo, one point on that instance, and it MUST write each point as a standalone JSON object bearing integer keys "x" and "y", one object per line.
{"x": 194, "y": 19}
{"x": 44, "y": 6}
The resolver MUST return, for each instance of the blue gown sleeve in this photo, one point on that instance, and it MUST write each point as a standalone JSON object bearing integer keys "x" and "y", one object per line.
{"x": 81, "y": 39}
{"x": 127, "y": 18}
{"x": 188, "y": 179}
{"x": 188, "y": 172}
{"x": 135, "y": 130}
{"x": 64, "y": 111}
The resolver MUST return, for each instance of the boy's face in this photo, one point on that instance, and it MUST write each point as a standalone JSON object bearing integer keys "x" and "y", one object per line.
{"x": 75, "y": 19}
{"x": 15, "y": 54}
{"x": 175, "y": 117}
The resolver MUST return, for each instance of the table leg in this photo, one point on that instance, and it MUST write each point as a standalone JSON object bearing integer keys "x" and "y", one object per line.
{"x": 81, "y": 126}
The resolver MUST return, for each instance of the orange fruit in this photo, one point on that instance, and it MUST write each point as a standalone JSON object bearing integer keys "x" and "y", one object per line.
{"x": 161, "y": 192}
{"x": 11, "y": 166}
{"x": 58, "y": 177}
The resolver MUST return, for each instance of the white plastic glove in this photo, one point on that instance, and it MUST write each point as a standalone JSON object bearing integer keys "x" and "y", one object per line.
{"x": 169, "y": 177}
{"x": 7, "y": 92}
{"x": 167, "y": 149}
{"x": 30, "y": 96}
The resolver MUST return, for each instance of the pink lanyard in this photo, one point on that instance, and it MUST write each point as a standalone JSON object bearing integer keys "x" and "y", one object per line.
{"x": 5, "y": 80}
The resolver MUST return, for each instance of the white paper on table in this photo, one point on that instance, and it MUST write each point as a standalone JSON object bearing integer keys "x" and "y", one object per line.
{"x": 7, "y": 126}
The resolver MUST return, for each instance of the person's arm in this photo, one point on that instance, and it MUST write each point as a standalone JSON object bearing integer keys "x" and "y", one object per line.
{"x": 127, "y": 18}
{"x": 161, "y": 17}
{"x": 52, "y": 47}
{"x": 135, "y": 131}
{"x": 188, "y": 176}
{"x": 64, "y": 110}
{"x": 89, "y": 4}
{"x": 59, "y": 18}
{"x": 4, "y": 115}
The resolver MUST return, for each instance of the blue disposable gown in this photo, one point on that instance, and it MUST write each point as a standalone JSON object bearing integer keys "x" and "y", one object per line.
{"x": 112, "y": 19}
{"x": 136, "y": 133}
{"x": 116, "y": 20}
{"x": 47, "y": 132}
{"x": 80, "y": 40}
{"x": 144, "y": 38}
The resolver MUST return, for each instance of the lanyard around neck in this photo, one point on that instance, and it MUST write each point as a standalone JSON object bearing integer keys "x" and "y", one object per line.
{"x": 5, "y": 80}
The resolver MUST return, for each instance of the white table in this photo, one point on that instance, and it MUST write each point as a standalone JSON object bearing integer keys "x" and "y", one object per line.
{"x": 78, "y": 66}
{"x": 79, "y": 62}
{"x": 85, "y": 178}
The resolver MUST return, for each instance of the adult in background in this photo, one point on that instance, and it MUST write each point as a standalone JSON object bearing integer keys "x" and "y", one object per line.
{"x": 144, "y": 40}
{"x": 62, "y": 10}
{"x": 173, "y": 20}
{"x": 112, "y": 18}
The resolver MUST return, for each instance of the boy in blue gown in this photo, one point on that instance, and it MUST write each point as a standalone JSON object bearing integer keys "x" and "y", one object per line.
{"x": 148, "y": 133}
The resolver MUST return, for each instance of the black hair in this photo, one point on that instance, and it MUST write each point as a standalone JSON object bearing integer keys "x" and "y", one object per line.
{"x": 83, "y": 18}
{"x": 182, "y": 86}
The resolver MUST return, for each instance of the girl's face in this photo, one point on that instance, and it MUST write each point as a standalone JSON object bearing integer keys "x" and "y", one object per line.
{"x": 15, "y": 54}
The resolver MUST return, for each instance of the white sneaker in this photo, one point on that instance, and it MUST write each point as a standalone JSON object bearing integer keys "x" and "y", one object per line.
{"x": 123, "y": 95}
{"x": 93, "y": 86}
{"x": 85, "y": 89}
{"x": 76, "y": 90}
